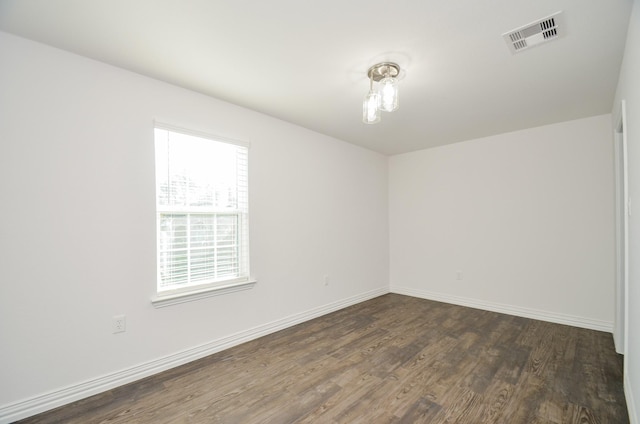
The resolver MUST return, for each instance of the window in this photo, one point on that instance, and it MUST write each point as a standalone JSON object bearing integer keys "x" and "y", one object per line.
{"x": 202, "y": 213}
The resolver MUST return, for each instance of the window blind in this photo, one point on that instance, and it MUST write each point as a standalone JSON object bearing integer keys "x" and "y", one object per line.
{"x": 202, "y": 210}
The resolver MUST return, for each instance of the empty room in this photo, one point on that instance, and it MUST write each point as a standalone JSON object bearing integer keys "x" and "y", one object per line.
{"x": 319, "y": 212}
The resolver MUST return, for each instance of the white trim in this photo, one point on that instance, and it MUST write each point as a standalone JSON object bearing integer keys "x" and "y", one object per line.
{"x": 631, "y": 406}
{"x": 554, "y": 317}
{"x": 35, "y": 405}
{"x": 200, "y": 134}
{"x": 620, "y": 333}
{"x": 162, "y": 300}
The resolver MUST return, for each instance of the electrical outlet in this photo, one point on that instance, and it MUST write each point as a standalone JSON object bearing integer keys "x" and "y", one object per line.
{"x": 326, "y": 280}
{"x": 119, "y": 324}
{"x": 458, "y": 275}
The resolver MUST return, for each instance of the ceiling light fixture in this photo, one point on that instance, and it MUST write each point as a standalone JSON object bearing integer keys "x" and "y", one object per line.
{"x": 385, "y": 96}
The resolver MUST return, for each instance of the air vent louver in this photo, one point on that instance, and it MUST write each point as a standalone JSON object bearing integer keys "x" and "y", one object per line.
{"x": 535, "y": 33}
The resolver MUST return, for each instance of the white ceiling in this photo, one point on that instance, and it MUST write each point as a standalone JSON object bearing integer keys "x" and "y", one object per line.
{"x": 305, "y": 61}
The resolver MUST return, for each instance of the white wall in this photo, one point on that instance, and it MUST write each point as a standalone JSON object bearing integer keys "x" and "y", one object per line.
{"x": 527, "y": 217}
{"x": 77, "y": 224}
{"x": 629, "y": 90}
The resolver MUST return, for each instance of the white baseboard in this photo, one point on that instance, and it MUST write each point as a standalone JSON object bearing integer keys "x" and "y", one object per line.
{"x": 631, "y": 405}
{"x": 508, "y": 309}
{"x": 35, "y": 405}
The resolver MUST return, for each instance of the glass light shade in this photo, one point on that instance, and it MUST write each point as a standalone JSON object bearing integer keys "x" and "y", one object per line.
{"x": 371, "y": 108}
{"x": 389, "y": 94}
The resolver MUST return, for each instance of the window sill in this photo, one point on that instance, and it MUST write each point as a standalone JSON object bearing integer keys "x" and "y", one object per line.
{"x": 161, "y": 301}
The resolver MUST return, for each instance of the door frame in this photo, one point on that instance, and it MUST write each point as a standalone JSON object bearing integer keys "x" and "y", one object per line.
{"x": 620, "y": 333}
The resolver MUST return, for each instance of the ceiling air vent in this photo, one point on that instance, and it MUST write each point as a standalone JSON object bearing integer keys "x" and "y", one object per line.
{"x": 538, "y": 32}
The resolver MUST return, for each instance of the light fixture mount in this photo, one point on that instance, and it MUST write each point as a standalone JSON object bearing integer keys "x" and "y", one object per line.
{"x": 382, "y": 70}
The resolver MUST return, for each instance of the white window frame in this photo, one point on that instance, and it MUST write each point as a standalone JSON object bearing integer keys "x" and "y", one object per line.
{"x": 194, "y": 291}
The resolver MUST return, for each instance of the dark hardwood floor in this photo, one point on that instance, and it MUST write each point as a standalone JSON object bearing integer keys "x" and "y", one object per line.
{"x": 393, "y": 359}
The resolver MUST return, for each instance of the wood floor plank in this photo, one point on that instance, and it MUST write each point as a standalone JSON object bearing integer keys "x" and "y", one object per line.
{"x": 393, "y": 359}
